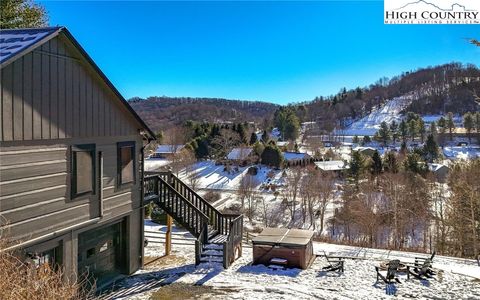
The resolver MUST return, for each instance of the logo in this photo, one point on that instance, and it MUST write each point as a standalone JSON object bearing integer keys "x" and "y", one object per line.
{"x": 432, "y": 11}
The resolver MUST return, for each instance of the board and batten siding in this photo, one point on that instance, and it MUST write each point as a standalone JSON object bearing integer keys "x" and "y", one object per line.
{"x": 51, "y": 99}
{"x": 51, "y": 93}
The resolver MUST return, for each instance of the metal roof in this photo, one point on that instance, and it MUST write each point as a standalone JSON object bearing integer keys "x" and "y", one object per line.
{"x": 332, "y": 165}
{"x": 169, "y": 148}
{"x": 283, "y": 236}
{"x": 15, "y": 43}
{"x": 239, "y": 153}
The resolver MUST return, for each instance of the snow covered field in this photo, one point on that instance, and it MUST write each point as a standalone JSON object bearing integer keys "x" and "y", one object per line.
{"x": 213, "y": 176}
{"x": 456, "y": 278}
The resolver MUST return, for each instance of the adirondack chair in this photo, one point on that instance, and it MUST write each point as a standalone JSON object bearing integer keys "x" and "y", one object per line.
{"x": 391, "y": 274}
{"x": 422, "y": 272}
{"x": 419, "y": 260}
{"x": 334, "y": 264}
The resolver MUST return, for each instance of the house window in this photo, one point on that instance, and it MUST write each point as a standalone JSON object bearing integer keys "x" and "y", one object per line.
{"x": 126, "y": 163}
{"x": 83, "y": 170}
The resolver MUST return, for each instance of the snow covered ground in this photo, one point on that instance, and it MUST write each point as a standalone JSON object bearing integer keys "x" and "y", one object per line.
{"x": 455, "y": 279}
{"x": 461, "y": 152}
{"x": 389, "y": 112}
{"x": 213, "y": 176}
{"x": 153, "y": 164}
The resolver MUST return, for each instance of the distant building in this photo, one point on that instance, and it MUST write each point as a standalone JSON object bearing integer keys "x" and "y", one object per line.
{"x": 440, "y": 171}
{"x": 239, "y": 155}
{"x": 331, "y": 165}
{"x": 167, "y": 151}
{"x": 296, "y": 158}
{"x": 365, "y": 150}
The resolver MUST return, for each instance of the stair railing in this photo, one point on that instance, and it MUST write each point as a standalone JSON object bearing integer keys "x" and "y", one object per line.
{"x": 234, "y": 241}
{"x": 218, "y": 221}
{"x": 173, "y": 203}
{"x": 175, "y": 197}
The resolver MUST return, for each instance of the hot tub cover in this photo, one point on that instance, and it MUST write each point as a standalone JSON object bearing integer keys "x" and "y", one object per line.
{"x": 283, "y": 236}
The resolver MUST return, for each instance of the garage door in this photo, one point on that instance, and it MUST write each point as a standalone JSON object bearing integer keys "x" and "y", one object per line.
{"x": 101, "y": 252}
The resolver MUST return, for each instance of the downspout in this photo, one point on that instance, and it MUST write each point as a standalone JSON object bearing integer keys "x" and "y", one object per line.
{"x": 142, "y": 207}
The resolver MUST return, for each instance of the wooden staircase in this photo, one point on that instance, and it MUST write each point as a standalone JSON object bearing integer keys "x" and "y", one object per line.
{"x": 218, "y": 236}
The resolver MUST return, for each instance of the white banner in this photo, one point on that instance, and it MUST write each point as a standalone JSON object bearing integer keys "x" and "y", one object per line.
{"x": 432, "y": 11}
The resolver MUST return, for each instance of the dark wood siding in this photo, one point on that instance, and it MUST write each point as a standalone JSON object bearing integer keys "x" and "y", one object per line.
{"x": 51, "y": 94}
{"x": 35, "y": 183}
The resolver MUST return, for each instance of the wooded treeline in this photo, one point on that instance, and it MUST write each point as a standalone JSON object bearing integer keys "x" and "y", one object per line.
{"x": 162, "y": 113}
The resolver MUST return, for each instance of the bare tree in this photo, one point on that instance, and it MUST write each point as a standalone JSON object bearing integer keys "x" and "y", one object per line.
{"x": 292, "y": 191}
{"x": 226, "y": 140}
{"x": 247, "y": 191}
{"x": 176, "y": 138}
{"x": 325, "y": 184}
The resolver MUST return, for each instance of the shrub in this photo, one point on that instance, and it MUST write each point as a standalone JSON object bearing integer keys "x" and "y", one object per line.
{"x": 158, "y": 216}
{"x": 148, "y": 210}
{"x": 212, "y": 196}
{"x": 21, "y": 280}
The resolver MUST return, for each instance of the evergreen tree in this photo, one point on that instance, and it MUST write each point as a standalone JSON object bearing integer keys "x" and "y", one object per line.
{"x": 403, "y": 130}
{"x": 384, "y": 133}
{"x": 413, "y": 163}
{"x": 442, "y": 126}
{"x": 357, "y": 165}
{"x": 355, "y": 139}
{"x": 430, "y": 150}
{"x": 272, "y": 156}
{"x": 22, "y": 14}
{"x": 366, "y": 140}
{"x": 242, "y": 133}
{"x": 412, "y": 128}
{"x": 477, "y": 121}
{"x": 469, "y": 125}
{"x": 287, "y": 122}
{"x": 253, "y": 138}
{"x": 258, "y": 148}
{"x": 450, "y": 125}
{"x": 391, "y": 163}
{"x": 265, "y": 136}
{"x": 376, "y": 165}
{"x": 403, "y": 148}
{"x": 421, "y": 129}
{"x": 394, "y": 131}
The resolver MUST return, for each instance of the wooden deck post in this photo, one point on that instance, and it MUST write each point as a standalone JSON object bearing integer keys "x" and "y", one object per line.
{"x": 168, "y": 238}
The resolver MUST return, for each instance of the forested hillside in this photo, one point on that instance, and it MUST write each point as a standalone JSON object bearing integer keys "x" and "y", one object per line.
{"x": 451, "y": 87}
{"x": 165, "y": 112}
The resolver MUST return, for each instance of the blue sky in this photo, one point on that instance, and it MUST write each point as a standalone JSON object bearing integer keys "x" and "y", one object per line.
{"x": 279, "y": 52}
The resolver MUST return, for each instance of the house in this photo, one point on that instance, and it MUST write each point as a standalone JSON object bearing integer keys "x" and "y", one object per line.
{"x": 71, "y": 158}
{"x": 296, "y": 158}
{"x": 368, "y": 151}
{"x": 439, "y": 170}
{"x": 167, "y": 151}
{"x": 239, "y": 155}
{"x": 332, "y": 166}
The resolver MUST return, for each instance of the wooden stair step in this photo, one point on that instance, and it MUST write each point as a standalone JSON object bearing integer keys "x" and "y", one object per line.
{"x": 212, "y": 252}
{"x": 218, "y": 239}
{"x": 211, "y": 259}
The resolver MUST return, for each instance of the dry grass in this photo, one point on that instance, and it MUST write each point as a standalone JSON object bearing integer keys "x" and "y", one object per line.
{"x": 19, "y": 280}
{"x": 163, "y": 262}
{"x": 182, "y": 291}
